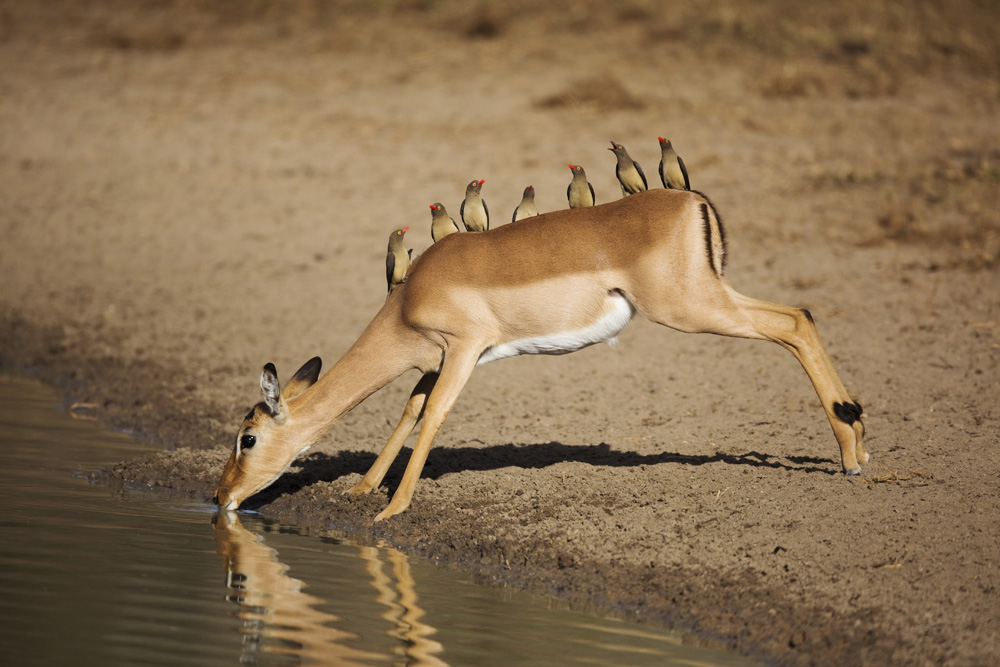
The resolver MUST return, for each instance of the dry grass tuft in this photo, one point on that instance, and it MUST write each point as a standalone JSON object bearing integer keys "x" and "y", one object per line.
{"x": 895, "y": 477}
{"x": 605, "y": 93}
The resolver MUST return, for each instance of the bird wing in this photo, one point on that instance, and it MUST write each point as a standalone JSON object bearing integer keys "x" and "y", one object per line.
{"x": 663, "y": 179}
{"x": 390, "y": 268}
{"x": 687, "y": 181}
{"x": 569, "y": 189}
{"x": 513, "y": 218}
{"x": 645, "y": 185}
{"x": 461, "y": 213}
{"x": 592, "y": 195}
{"x": 486, "y": 210}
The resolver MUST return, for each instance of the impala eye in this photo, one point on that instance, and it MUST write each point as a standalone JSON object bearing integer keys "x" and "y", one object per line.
{"x": 247, "y": 441}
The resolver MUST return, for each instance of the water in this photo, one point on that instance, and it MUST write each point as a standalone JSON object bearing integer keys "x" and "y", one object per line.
{"x": 89, "y": 576}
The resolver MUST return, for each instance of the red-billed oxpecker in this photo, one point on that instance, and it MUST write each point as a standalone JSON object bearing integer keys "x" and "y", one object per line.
{"x": 397, "y": 259}
{"x": 673, "y": 173}
{"x": 442, "y": 224}
{"x": 526, "y": 208}
{"x": 474, "y": 213}
{"x": 628, "y": 171}
{"x": 580, "y": 192}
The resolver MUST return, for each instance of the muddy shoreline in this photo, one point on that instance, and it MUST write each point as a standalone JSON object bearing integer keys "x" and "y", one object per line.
{"x": 187, "y": 193}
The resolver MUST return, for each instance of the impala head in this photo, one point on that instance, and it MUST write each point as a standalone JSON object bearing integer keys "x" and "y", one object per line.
{"x": 269, "y": 438}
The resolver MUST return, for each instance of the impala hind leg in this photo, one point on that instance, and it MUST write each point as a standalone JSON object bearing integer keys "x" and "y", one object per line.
{"x": 729, "y": 313}
{"x": 455, "y": 372}
{"x": 412, "y": 413}
{"x": 794, "y": 329}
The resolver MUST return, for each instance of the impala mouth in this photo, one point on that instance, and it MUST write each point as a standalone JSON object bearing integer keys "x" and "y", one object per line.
{"x": 232, "y": 504}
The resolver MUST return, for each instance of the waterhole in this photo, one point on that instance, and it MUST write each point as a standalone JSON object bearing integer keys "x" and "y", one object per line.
{"x": 92, "y": 576}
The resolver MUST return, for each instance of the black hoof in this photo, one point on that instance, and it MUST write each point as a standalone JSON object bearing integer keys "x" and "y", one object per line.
{"x": 852, "y": 471}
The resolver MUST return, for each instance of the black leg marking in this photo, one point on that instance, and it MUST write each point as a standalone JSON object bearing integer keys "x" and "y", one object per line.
{"x": 861, "y": 411}
{"x": 847, "y": 412}
{"x": 809, "y": 316}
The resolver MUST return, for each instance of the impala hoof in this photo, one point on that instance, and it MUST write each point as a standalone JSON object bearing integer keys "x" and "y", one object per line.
{"x": 852, "y": 471}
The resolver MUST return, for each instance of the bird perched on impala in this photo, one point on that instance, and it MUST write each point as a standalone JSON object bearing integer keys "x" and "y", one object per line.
{"x": 628, "y": 171}
{"x": 673, "y": 173}
{"x": 526, "y": 208}
{"x": 397, "y": 259}
{"x": 580, "y": 192}
{"x": 442, "y": 224}
{"x": 473, "y": 210}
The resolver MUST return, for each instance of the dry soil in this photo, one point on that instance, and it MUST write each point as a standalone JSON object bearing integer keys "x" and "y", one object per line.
{"x": 189, "y": 190}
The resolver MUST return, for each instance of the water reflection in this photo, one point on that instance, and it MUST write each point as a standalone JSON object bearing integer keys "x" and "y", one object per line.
{"x": 278, "y": 617}
{"x": 402, "y": 606}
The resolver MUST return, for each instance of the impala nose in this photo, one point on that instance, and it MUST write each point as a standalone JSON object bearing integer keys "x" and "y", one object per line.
{"x": 215, "y": 499}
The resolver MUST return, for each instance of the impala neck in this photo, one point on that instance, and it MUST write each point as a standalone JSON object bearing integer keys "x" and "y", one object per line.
{"x": 384, "y": 351}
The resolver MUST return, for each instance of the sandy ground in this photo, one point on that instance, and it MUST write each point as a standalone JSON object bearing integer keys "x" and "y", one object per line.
{"x": 188, "y": 191}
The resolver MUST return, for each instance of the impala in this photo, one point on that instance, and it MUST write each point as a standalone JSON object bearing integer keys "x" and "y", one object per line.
{"x": 550, "y": 284}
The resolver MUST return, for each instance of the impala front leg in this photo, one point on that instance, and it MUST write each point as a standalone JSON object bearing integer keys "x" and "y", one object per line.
{"x": 412, "y": 413}
{"x": 455, "y": 372}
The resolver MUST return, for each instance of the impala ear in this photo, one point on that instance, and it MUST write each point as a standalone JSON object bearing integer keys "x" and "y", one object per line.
{"x": 272, "y": 391}
{"x": 304, "y": 378}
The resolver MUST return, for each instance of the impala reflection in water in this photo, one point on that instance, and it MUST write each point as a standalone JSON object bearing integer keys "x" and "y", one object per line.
{"x": 279, "y": 617}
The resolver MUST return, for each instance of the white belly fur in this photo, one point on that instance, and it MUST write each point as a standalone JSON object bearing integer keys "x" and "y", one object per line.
{"x": 604, "y": 330}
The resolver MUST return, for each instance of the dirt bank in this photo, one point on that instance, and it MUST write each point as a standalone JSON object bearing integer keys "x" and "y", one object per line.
{"x": 188, "y": 193}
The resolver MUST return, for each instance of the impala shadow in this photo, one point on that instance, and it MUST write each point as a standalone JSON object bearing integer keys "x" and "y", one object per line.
{"x": 323, "y": 467}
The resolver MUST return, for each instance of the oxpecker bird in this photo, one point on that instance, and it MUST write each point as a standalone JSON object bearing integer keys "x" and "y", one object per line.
{"x": 527, "y": 207}
{"x": 628, "y": 171}
{"x": 474, "y": 213}
{"x": 397, "y": 259}
{"x": 442, "y": 224}
{"x": 580, "y": 192}
{"x": 673, "y": 173}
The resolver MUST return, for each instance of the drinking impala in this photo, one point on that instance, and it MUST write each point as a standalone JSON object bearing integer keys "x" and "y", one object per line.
{"x": 550, "y": 284}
